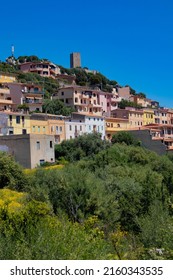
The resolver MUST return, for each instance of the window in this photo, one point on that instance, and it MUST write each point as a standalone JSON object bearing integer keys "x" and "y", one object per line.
{"x": 66, "y": 101}
{"x": 33, "y": 129}
{"x": 42, "y": 161}
{"x": 60, "y": 128}
{"x": 10, "y": 117}
{"x": 51, "y": 144}
{"x": 80, "y": 128}
{"x": 23, "y": 131}
{"x": 44, "y": 129}
{"x": 17, "y": 119}
{"x": 62, "y": 93}
{"x": 70, "y": 128}
{"x": 38, "y": 128}
{"x": 76, "y": 100}
{"x": 38, "y": 145}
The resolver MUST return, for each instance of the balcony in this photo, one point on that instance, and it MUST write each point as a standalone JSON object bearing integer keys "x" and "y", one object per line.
{"x": 6, "y": 101}
{"x": 32, "y": 92}
{"x": 32, "y": 101}
{"x": 4, "y": 90}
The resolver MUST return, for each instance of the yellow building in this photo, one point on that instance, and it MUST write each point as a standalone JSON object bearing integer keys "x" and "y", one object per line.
{"x": 148, "y": 116}
{"x": 7, "y": 78}
{"x": 48, "y": 124}
{"x": 39, "y": 126}
{"x": 56, "y": 127}
{"x": 113, "y": 125}
{"x": 18, "y": 123}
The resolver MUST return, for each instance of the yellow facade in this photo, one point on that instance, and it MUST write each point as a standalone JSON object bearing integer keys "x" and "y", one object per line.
{"x": 113, "y": 125}
{"x": 19, "y": 123}
{"x": 7, "y": 78}
{"x": 39, "y": 126}
{"x": 48, "y": 124}
{"x": 57, "y": 128}
{"x": 148, "y": 116}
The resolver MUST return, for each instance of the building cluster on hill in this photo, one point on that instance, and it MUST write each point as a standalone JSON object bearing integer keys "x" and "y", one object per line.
{"x": 95, "y": 111}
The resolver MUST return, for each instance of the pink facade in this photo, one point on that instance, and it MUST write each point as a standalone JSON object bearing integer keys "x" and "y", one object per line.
{"x": 31, "y": 95}
{"x": 45, "y": 69}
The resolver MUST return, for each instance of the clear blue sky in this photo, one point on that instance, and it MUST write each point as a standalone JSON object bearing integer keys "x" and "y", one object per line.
{"x": 130, "y": 41}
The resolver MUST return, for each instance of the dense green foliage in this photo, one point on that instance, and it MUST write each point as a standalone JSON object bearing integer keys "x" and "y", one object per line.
{"x": 48, "y": 84}
{"x": 83, "y": 146}
{"x": 113, "y": 203}
{"x": 84, "y": 78}
{"x": 125, "y": 103}
{"x": 56, "y": 107}
{"x": 11, "y": 173}
{"x": 126, "y": 138}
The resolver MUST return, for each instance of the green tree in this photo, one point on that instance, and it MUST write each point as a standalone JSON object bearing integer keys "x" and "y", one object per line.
{"x": 11, "y": 173}
{"x": 56, "y": 107}
{"x": 126, "y": 138}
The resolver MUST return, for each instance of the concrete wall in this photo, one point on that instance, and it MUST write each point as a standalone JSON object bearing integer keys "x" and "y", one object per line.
{"x": 18, "y": 147}
{"x": 42, "y": 148}
{"x": 28, "y": 150}
{"x": 147, "y": 142}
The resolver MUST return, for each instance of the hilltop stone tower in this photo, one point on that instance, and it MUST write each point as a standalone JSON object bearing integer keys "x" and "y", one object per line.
{"x": 75, "y": 60}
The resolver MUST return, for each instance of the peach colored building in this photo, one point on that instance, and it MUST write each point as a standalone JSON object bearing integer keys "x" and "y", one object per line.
{"x": 161, "y": 116}
{"x": 162, "y": 132}
{"x": 86, "y": 100}
{"x": 5, "y": 98}
{"x": 134, "y": 116}
{"x": 113, "y": 125}
{"x": 170, "y": 116}
{"x": 49, "y": 124}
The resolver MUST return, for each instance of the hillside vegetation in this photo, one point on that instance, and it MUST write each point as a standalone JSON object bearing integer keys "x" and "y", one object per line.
{"x": 114, "y": 203}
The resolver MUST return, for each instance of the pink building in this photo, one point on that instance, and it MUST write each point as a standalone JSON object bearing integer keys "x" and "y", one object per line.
{"x": 44, "y": 69}
{"x": 29, "y": 94}
{"x": 86, "y": 100}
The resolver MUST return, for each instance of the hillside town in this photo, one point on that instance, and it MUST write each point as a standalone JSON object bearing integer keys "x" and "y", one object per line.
{"x": 29, "y": 133}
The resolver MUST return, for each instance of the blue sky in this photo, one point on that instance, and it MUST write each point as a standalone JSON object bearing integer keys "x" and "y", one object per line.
{"x": 130, "y": 41}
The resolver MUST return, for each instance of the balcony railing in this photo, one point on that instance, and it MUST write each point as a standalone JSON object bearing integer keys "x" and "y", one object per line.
{"x": 4, "y": 90}
{"x": 32, "y": 101}
{"x": 25, "y": 91}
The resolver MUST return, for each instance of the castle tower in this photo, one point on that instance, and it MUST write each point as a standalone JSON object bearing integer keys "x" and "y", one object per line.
{"x": 75, "y": 60}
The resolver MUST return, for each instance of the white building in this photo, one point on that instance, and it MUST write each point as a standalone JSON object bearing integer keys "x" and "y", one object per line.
{"x": 74, "y": 128}
{"x": 92, "y": 123}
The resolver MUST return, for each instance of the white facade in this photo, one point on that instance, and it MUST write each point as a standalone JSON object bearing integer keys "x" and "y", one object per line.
{"x": 74, "y": 128}
{"x": 95, "y": 124}
{"x": 92, "y": 123}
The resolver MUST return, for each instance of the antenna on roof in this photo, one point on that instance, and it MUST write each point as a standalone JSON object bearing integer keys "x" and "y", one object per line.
{"x": 12, "y": 50}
